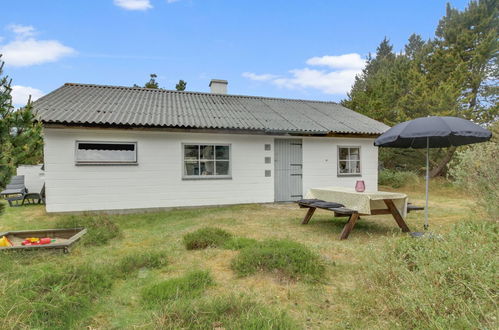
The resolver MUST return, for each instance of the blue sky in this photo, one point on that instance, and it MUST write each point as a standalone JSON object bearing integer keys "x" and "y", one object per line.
{"x": 295, "y": 49}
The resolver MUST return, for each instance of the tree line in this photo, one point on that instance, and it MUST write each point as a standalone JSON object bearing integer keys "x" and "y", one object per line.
{"x": 456, "y": 73}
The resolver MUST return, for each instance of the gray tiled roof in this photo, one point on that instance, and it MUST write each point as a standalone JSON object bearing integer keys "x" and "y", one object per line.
{"x": 131, "y": 106}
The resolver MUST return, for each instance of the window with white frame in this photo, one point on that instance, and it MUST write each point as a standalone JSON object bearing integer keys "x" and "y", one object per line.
{"x": 100, "y": 152}
{"x": 348, "y": 160}
{"x": 206, "y": 160}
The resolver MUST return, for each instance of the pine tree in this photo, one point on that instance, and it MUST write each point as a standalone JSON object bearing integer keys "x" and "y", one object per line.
{"x": 463, "y": 67}
{"x": 152, "y": 82}
{"x": 181, "y": 85}
{"x": 20, "y": 134}
{"x": 6, "y": 110}
{"x": 382, "y": 82}
{"x": 467, "y": 44}
{"x": 455, "y": 74}
{"x": 414, "y": 46}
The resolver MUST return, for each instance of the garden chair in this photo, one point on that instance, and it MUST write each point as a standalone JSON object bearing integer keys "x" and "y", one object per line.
{"x": 15, "y": 190}
{"x": 34, "y": 198}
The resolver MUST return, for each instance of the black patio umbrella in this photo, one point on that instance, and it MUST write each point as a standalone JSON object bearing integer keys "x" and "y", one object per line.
{"x": 432, "y": 132}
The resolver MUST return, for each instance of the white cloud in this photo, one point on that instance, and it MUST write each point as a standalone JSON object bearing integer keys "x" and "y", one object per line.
{"x": 259, "y": 77}
{"x": 20, "y": 95}
{"x": 25, "y": 50}
{"x": 31, "y": 52}
{"x": 346, "y": 61}
{"x": 172, "y": 1}
{"x": 22, "y": 31}
{"x": 133, "y": 4}
{"x": 336, "y": 80}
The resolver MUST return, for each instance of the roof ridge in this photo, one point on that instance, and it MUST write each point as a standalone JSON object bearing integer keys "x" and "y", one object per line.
{"x": 196, "y": 93}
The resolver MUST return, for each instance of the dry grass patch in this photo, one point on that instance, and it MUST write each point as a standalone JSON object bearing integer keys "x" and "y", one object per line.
{"x": 224, "y": 312}
{"x": 133, "y": 262}
{"x": 206, "y": 237}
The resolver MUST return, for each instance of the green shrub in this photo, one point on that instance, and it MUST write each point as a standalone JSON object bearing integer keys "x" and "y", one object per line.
{"x": 188, "y": 286}
{"x": 448, "y": 283}
{"x": 100, "y": 228}
{"x": 141, "y": 259}
{"x": 2, "y": 207}
{"x": 397, "y": 179}
{"x": 50, "y": 295}
{"x": 206, "y": 237}
{"x": 476, "y": 170}
{"x": 289, "y": 258}
{"x": 231, "y": 312}
{"x": 238, "y": 243}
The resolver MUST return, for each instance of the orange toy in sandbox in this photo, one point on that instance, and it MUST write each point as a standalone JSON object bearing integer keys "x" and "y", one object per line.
{"x": 37, "y": 241}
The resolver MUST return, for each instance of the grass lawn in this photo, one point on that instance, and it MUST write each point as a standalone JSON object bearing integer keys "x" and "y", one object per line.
{"x": 110, "y": 283}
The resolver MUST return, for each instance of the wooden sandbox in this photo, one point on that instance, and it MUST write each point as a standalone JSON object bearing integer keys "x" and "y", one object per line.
{"x": 64, "y": 238}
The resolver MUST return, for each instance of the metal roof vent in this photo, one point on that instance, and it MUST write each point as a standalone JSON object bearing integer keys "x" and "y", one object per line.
{"x": 218, "y": 86}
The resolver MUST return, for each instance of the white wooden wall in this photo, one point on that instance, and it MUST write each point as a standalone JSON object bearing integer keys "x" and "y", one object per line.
{"x": 320, "y": 158}
{"x": 157, "y": 179}
{"x": 156, "y": 182}
{"x": 33, "y": 177}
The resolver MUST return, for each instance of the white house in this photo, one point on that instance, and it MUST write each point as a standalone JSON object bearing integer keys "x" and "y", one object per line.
{"x": 126, "y": 148}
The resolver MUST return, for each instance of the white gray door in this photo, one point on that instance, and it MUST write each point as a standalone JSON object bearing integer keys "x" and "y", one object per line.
{"x": 288, "y": 169}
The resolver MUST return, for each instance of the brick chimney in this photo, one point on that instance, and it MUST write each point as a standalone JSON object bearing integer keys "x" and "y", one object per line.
{"x": 218, "y": 86}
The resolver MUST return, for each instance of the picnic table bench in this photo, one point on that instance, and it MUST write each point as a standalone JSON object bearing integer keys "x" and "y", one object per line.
{"x": 340, "y": 210}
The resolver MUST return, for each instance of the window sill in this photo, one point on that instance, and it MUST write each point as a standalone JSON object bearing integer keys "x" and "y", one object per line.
{"x": 106, "y": 164}
{"x": 200, "y": 178}
{"x": 349, "y": 175}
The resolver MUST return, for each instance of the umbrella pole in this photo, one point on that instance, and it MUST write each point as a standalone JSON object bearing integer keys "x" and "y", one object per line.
{"x": 426, "y": 225}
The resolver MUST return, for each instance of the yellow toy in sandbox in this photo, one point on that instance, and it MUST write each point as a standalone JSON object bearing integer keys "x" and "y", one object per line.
{"x": 4, "y": 241}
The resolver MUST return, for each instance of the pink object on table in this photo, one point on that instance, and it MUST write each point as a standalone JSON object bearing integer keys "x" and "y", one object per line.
{"x": 360, "y": 186}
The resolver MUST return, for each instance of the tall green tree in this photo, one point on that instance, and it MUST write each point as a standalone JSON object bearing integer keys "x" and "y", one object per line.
{"x": 467, "y": 50}
{"x": 454, "y": 74}
{"x": 181, "y": 85}
{"x": 462, "y": 70}
{"x": 381, "y": 84}
{"x": 20, "y": 134}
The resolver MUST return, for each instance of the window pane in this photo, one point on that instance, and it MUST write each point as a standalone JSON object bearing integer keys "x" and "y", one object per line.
{"x": 343, "y": 153}
{"x": 356, "y": 167}
{"x": 206, "y": 160}
{"x": 354, "y": 154}
{"x": 350, "y": 167}
{"x": 191, "y": 168}
{"x": 206, "y": 152}
{"x": 191, "y": 152}
{"x": 222, "y": 152}
{"x": 343, "y": 167}
{"x": 222, "y": 168}
{"x": 208, "y": 167}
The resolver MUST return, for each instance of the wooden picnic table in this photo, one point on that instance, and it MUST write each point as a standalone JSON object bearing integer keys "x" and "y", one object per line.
{"x": 348, "y": 202}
